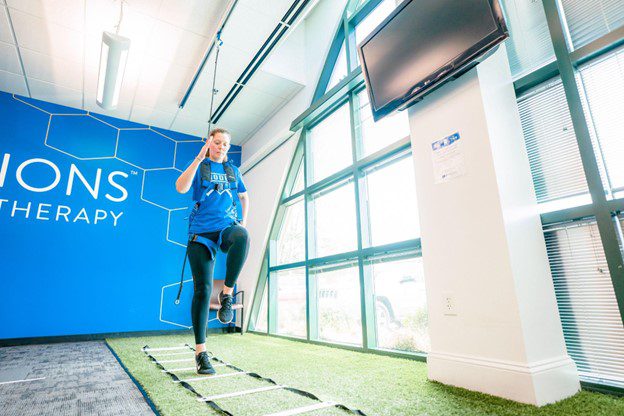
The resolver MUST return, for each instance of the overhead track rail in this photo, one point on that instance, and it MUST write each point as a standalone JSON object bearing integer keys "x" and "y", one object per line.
{"x": 285, "y": 23}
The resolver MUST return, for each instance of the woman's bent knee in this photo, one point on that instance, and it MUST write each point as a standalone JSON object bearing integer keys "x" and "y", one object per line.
{"x": 240, "y": 233}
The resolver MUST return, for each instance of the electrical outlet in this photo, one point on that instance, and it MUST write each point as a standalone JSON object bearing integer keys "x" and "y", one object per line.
{"x": 449, "y": 304}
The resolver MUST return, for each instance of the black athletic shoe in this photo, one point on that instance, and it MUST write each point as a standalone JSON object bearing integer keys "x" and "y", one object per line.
{"x": 203, "y": 365}
{"x": 225, "y": 313}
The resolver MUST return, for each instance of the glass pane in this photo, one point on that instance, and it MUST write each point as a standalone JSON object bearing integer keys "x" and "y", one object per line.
{"x": 371, "y": 21}
{"x": 295, "y": 184}
{"x": 529, "y": 46}
{"x": 588, "y": 20}
{"x": 290, "y": 244}
{"x": 291, "y": 301}
{"x": 554, "y": 157}
{"x": 299, "y": 184}
{"x": 392, "y": 205}
{"x": 339, "y": 305}
{"x": 262, "y": 321}
{"x": 330, "y": 144}
{"x": 340, "y": 69}
{"x": 603, "y": 88}
{"x": 401, "y": 305}
{"x": 376, "y": 136}
{"x": 334, "y": 221}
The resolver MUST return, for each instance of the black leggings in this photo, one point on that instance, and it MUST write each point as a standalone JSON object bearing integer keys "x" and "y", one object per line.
{"x": 234, "y": 241}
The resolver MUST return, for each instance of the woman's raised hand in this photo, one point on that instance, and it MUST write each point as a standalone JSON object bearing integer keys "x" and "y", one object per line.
{"x": 202, "y": 153}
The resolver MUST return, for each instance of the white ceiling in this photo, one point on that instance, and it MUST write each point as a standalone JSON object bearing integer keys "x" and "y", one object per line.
{"x": 59, "y": 45}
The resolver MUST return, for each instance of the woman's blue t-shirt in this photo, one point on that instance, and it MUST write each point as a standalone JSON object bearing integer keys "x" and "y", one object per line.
{"x": 217, "y": 211}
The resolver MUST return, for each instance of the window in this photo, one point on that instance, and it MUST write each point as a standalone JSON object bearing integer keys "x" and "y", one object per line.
{"x": 338, "y": 294}
{"x": 529, "y": 45}
{"x": 376, "y": 136}
{"x": 330, "y": 144}
{"x": 554, "y": 157}
{"x": 290, "y": 244}
{"x": 261, "y": 324}
{"x": 603, "y": 84}
{"x": 400, "y": 304}
{"x": 392, "y": 205}
{"x": 340, "y": 69}
{"x": 371, "y": 21}
{"x": 591, "y": 321}
{"x": 588, "y": 20}
{"x": 295, "y": 181}
{"x": 291, "y": 301}
{"x": 335, "y": 228}
{"x": 299, "y": 183}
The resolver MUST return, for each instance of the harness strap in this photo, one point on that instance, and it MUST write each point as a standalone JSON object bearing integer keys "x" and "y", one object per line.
{"x": 209, "y": 244}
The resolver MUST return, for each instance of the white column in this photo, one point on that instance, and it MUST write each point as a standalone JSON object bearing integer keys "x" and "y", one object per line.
{"x": 493, "y": 317}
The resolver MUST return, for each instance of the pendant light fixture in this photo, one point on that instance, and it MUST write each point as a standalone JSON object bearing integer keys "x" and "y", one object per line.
{"x": 113, "y": 58}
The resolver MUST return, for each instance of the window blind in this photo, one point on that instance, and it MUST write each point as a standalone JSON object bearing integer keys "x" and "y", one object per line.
{"x": 588, "y": 20}
{"x": 602, "y": 83}
{"x": 591, "y": 321}
{"x": 551, "y": 144}
{"x": 529, "y": 46}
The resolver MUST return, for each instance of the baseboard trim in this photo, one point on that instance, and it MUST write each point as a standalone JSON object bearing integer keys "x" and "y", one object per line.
{"x": 9, "y": 342}
{"x": 538, "y": 383}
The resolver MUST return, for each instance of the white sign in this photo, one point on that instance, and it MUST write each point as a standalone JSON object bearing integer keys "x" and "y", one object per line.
{"x": 448, "y": 159}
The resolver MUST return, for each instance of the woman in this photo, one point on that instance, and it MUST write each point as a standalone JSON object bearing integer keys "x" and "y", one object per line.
{"x": 213, "y": 225}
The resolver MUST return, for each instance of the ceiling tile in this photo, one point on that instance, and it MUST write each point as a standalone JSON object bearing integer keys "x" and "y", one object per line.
{"x": 273, "y": 8}
{"x": 152, "y": 116}
{"x": 197, "y": 107}
{"x": 54, "y": 70}
{"x": 9, "y": 60}
{"x": 147, "y": 7}
{"x": 232, "y": 63}
{"x": 5, "y": 28}
{"x": 43, "y": 36}
{"x": 163, "y": 99}
{"x": 13, "y": 83}
{"x": 172, "y": 44}
{"x": 240, "y": 33}
{"x": 274, "y": 84}
{"x": 163, "y": 74}
{"x": 240, "y": 125}
{"x": 46, "y": 91}
{"x": 250, "y": 101}
{"x": 191, "y": 126}
{"x": 198, "y": 16}
{"x": 68, "y": 13}
{"x": 103, "y": 15}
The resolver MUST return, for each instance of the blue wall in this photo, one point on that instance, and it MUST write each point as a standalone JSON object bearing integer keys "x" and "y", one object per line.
{"x": 89, "y": 259}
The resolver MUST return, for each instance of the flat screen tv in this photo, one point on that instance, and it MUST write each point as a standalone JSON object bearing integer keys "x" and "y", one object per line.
{"x": 424, "y": 43}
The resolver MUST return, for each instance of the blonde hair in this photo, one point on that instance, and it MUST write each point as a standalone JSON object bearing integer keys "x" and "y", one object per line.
{"x": 217, "y": 131}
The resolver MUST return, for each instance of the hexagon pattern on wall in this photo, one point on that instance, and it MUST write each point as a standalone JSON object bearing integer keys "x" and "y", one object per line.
{"x": 65, "y": 134}
{"x": 159, "y": 154}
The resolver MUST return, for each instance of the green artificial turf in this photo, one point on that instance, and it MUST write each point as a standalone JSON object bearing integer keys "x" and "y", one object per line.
{"x": 377, "y": 385}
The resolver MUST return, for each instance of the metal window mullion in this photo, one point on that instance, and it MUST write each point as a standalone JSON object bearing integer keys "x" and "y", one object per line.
{"x": 311, "y": 289}
{"x": 604, "y": 219}
{"x": 369, "y": 339}
{"x": 261, "y": 286}
{"x": 350, "y": 46}
{"x": 264, "y": 277}
{"x": 271, "y": 301}
{"x": 275, "y": 225}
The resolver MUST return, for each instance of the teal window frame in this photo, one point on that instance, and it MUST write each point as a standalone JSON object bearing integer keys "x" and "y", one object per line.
{"x": 565, "y": 65}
